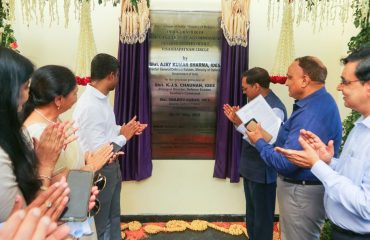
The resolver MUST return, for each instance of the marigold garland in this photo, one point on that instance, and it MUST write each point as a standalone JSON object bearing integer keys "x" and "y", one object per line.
{"x": 180, "y": 226}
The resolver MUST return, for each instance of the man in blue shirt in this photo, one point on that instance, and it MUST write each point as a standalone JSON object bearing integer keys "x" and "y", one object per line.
{"x": 258, "y": 178}
{"x": 299, "y": 192}
{"x": 347, "y": 179}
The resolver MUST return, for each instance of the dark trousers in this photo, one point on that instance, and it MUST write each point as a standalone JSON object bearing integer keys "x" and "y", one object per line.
{"x": 107, "y": 220}
{"x": 260, "y": 209}
{"x": 340, "y": 235}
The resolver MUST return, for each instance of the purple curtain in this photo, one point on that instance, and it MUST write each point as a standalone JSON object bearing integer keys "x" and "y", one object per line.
{"x": 234, "y": 61}
{"x": 132, "y": 97}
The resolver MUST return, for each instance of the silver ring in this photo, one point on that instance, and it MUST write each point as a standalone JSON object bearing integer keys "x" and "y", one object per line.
{"x": 48, "y": 204}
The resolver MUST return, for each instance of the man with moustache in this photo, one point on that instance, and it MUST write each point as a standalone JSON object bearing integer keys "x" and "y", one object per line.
{"x": 347, "y": 179}
{"x": 300, "y": 193}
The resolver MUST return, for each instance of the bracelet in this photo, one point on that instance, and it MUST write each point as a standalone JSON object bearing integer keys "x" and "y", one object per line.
{"x": 44, "y": 176}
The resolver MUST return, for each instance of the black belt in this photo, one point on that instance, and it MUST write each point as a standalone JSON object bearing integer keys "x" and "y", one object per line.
{"x": 301, "y": 182}
{"x": 347, "y": 232}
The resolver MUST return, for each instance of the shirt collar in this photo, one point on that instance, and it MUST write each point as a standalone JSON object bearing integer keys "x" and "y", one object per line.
{"x": 364, "y": 121}
{"x": 302, "y": 102}
{"x": 95, "y": 92}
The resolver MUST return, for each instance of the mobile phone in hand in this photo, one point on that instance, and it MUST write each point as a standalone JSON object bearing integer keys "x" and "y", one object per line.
{"x": 80, "y": 183}
{"x": 251, "y": 126}
{"x": 116, "y": 147}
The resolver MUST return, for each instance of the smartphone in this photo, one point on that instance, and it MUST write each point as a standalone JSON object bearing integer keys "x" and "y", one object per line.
{"x": 251, "y": 126}
{"x": 116, "y": 147}
{"x": 80, "y": 183}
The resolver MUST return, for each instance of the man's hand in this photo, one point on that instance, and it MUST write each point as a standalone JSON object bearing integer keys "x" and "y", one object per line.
{"x": 230, "y": 113}
{"x": 305, "y": 158}
{"x": 255, "y": 135}
{"x": 325, "y": 152}
{"x": 130, "y": 129}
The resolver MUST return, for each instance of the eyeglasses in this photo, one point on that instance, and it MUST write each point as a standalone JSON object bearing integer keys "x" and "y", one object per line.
{"x": 346, "y": 83}
{"x": 100, "y": 181}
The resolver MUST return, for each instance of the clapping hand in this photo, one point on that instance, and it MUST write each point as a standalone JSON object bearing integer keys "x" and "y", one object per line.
{"x": 230, "y": 113}
{"x": 129, "y": 130}
{"x": 38, "y": 220}
{"x": 325, "y": 152}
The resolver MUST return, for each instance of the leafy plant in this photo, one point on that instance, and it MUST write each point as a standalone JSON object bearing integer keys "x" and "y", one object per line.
{"x": 356, "y": 42}
{"x": 7, "y": 38}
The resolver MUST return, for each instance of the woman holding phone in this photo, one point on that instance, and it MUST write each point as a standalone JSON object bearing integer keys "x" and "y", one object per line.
{"x": 53, "y": 91}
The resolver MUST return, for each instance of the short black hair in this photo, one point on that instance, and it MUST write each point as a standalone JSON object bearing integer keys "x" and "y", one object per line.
{"x": 362, "y": 56}
{"x": 257, "y": 75}
{"x": 313, "y": 67}
{"x": 102, "y": 65}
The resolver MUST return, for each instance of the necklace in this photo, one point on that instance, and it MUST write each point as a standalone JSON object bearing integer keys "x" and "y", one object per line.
{"x": 43, "y": 116}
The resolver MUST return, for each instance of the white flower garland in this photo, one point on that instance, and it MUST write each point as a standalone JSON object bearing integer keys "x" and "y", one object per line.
{"x": 134, "y": 23}
{"x": 235, "y": 21}
{"x": 285, "y": 49}
{"x": 34, "y": 10}
{"x": 319, "y": 13}
{"x": 86, "y": 43}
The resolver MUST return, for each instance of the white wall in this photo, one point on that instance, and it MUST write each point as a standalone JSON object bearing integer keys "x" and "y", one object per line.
{"x": 184, "y": 186}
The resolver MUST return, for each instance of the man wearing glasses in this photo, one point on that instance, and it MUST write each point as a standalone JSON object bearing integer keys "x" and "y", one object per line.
{"x": 300, "y": 193}
{"x": 347, "y": 179}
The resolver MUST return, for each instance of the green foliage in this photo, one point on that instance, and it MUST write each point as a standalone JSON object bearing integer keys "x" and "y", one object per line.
{"x": 326, "y": 231}
{"x": 362, "y": 22}
{"x": 7, "y": 38}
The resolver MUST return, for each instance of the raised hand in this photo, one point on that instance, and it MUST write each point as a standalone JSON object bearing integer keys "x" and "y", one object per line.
{"x": 96, "y": 160}
{"x": 48, "y": 148}
{"x": 32, "y": 225}
{"x": 141, "y": 128}
{"x": 305, "y": 158}
{"x": 230, "y": 113}
{"x": 52, "y": 201}
{"x": 325, "y": 152}
{"x": 129, "y": 130}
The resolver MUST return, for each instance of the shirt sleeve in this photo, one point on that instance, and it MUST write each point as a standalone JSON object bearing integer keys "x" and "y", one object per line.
{"x": 279, "y": 113}
{"x": 304, "y": 120}
{"x": 91, "y": 133}
{"x": 356, "y": 199}
{"x": 8, "y": 186}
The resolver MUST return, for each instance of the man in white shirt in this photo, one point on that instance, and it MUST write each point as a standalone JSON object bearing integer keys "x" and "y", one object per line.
{"x": 96, "y": 124}
{"x": 347, "y": 179}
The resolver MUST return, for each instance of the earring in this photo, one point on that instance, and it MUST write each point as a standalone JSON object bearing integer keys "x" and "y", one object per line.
{"x": 58, "y": 107}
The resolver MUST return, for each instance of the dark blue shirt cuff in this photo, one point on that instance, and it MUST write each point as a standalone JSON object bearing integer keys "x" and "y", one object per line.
{"x": 260, "y": 144}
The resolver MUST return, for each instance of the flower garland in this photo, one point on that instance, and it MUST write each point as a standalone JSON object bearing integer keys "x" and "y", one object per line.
{"x": 86, "y": 43}
{"x": 83, "y": 81}
{"x": 278, "y": 79}
{"x": 317, "y": 12}
{"x": 34, "y": 10}
{"x": 285, "y": 48}
{"x": 235, "y": 21}
{"x": 179, "y": 226}
{"x": 7, "y": 38}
